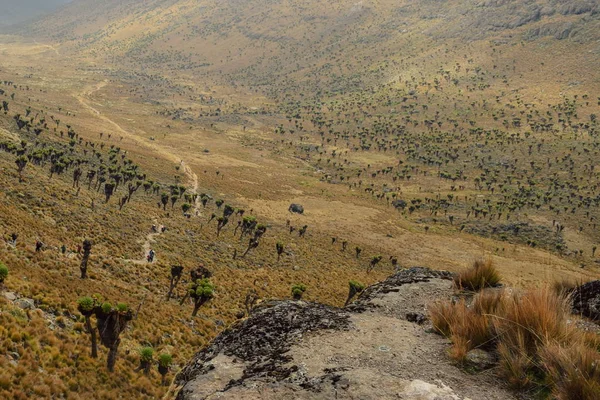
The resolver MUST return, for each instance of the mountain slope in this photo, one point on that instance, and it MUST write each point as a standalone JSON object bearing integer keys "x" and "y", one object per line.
{"x": 283, "y": 46}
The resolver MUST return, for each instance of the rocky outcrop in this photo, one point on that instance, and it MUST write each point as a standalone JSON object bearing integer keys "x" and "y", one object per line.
{"x": 379, "y": 347}
{"x": 258, "y": 346}
{"x": 586, "y": 300}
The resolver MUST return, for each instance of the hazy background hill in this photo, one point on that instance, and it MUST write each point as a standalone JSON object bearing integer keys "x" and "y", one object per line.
{"x": 306, "y": 45}
{"x": 13, "y": 12}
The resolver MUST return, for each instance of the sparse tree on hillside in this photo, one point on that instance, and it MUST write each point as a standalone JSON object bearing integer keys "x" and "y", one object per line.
{"x": 354, "y": 289}
{"x": 87, "y": 248}
{"x": 221, "y": 222}
{"x": 252, "y": 244}
{"x": 111, "y": 323}
{"x": 212, "y": 216}
{"x": 76, "y": 176}
{"x": 201, "y": 291}
{"x": 302, "y": 231}
{"x": 196, "y": 274}
{"x": 86, "y": 305}
{"x": 90, "y": 176}
{"x": 248, "y": 225}
{"x": 21, "y": 162}
{"x": 374, "y": 261}
{"x": 358, "y": 251}
{"x": 146, "y": 356}
{"x": 297, "y": 291}
{"x": 204, "y": 200}
{"x": 176, "y": 273}
{"x": 227, "y": 211}
{"x": 164, "y": 199}
{"x": 109, "y": 189}
{"x": 279, "y": 247}
{"x": 164, "y": 363}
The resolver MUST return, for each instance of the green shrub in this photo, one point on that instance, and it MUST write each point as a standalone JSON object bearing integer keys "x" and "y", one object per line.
{"x": 3, "y": 272}
{"x": 106, "y": 308}
{"x": 86, "y": 303}
{"x": 165, "y": 360}
{"x": 146, "y": 353}
{"x": 298, "y": 290}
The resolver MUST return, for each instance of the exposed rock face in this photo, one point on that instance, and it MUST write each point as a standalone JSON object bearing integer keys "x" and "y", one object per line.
{"x": 586, "y": 300}
{"x": 368, "y": 350}
{"x": 412, "y": 275}
{"x": 258, "y": 345}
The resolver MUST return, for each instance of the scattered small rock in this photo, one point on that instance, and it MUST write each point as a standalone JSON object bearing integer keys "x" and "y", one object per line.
{"x": 417, "y": 318}
{"x": 10, "y": 296}
{"x": 25, "y": 303}
{"x": 480, "y": 359}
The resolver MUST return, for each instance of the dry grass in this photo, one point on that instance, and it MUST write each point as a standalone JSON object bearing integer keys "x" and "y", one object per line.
{"x": 259, "y": 175}
{"x": 482, "y": 274}
{"x": 538, "y": 344}
{"x": 573, "y": 370}
{"x": 528, "y": 321}
{"x": 467, "y": 329}
{"x": 443, "y": 315}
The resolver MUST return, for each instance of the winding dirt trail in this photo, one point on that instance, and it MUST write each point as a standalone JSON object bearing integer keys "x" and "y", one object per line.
{"x": 146, "y": 246}
{"x": 85, "y": 101}
{"x": 192, "y": 177}
{"x": 48, "y": 47}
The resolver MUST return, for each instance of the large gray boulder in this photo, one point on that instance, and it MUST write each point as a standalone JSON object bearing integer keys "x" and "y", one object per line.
{"x": 296, "y": 208}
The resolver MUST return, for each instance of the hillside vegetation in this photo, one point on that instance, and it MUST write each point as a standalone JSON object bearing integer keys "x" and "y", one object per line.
{"x": 411, "y": 133}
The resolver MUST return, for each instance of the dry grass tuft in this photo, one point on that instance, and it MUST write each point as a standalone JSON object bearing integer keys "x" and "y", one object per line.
{"x": 442, "y": 315}
{"x": 481, "y": 275}
{"x": 467, "y": 328}
{"x": 573, "y": 371}
{"x": 538, "y": 344}
{"x": 528, "y": 321}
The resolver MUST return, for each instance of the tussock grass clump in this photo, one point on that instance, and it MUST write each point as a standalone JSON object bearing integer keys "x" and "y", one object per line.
{"x": 443, "y": 315}
{"x": 536, "y": 317}
{"x": 3, "y": 272}
{"x": 573, "y": 371}
{"x": 482, "y": 274}
{"x": 469, "y": 327}
{"x": 533, "y": 333}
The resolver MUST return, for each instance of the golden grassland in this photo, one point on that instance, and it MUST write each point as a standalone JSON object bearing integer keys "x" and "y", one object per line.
{"x": 163, "y": 119}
